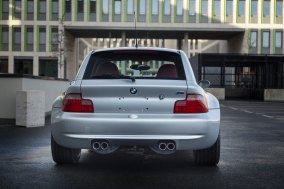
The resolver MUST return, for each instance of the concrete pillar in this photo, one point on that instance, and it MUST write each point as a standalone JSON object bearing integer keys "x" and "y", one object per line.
{"x": 98, "y": 15}
{"x": 110, "y": 10}
{"x": 22, "y": 38}
{"x": 239, "y": 43}
{"x": 30, "y": 108}
{"x": 259, "y": 45}
{"x": 172, "y": 11}
{"x": 148, "y": 11}
{"x": 209, "y": 11}
{"x": 86, "y": 11}
{"x": 69, "y": 55}
{"x": 259, "y": 12}
{"x": 222, "y": 11}
{"x": 185, "y": 43}
{"x": 47, "y": 10}
{"x": 160, "y": 12}
{"x": 35, "y": 65}
{"x": 35, "y": 9}
{"x": 11, "y": 64}
{"x": 247, "y": 15}
{"x": 123, "y": 39}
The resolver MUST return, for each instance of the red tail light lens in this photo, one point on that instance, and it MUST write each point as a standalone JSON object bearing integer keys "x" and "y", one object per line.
{"x": 194, "y": 103}
{"x": 75, "y": 103}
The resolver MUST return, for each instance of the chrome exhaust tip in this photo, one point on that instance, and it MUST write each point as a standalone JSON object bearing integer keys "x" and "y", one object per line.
{"x": 96, "y": 145}
{"x": 162, "y": 146}
{"x": 171, "y": 146}
{"x": 104, "y": 145}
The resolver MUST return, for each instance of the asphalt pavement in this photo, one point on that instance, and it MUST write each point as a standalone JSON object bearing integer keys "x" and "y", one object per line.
{"x": 252, "y": 156}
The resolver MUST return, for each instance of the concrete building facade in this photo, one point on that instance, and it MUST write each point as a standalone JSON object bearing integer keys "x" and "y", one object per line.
{"x": 50, "y": 38}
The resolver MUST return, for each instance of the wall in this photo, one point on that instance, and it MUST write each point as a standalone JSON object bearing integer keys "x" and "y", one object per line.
{"x": 9, "y": 86}
{"x": 219, "y": 93}
{"x": 273, "y": 94}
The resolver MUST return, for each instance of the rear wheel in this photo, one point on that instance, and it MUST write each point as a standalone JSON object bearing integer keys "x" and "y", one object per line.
{"x": 208, "y": 156}
{"x": 62, "y": 155}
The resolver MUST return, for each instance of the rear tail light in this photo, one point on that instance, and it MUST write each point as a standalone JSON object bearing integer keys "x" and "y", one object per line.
{"x": 75, "y": 103}
{"x": 194, "y": 103}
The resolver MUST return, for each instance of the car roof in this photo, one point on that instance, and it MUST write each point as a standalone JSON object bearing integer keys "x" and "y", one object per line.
{"x": 138, "y": 48}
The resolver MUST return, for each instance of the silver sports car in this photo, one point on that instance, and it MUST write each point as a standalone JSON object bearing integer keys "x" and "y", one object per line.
{"x": 136, "y": 97}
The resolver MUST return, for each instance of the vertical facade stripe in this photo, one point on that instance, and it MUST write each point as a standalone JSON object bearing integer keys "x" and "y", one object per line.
{"x": 25, "y": 38}
{"x": 1, "y": 37}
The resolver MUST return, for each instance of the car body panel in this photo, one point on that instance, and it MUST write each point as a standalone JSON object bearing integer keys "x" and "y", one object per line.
{"x": 143, "y": 118}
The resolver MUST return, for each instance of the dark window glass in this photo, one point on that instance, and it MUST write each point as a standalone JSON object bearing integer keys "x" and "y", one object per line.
{"x": 204, "y": 7}
{"x": 241, "y": 8}
{"x": 229, "y": 8}
{"x": 17, "y": 39}
{"x": 142, "y": 7}
{"x": 117, "y": 6}
{"x": 48, "y": 68}
{"x": 68, "y": 7}
{"x": 55, "y": 9}
{"x": 5, "y": 9}
{"x": 5, "y": 38}
{"x": 266, "y": 8}
{"x": 80, "y": 6}
{"x": 17, "y": 9}
{"x": 30, "y": 39}
{"x": 42, "y": 39}
{"x": 279, "y": 8}
{"x": 254, "y": 7}
{"x": 23, "y": 66}
{"x": 192, "y": 7}
{"x": 217, "y": 8}
{"x": 253, "y": 39}
{"x": 140, "y": 64}
{"x": 3, "y": 65}
{"x": 42, "y": 10}
{"x": 93, "y": 10}
{"x": 265, "y": 39}
{"x": 278, "y": 39}
{"x": 54, "y": 39}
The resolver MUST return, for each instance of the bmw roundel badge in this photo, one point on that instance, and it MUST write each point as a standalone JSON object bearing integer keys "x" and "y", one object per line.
{"x": 133, "y": 90}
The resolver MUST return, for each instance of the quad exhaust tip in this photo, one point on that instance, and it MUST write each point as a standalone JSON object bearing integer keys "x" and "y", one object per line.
{"x": 170, "y": 146}
{"x": 103, "y": 145}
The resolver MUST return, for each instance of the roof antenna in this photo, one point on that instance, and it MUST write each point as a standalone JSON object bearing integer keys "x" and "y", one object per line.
{"x": 136, "y": 44}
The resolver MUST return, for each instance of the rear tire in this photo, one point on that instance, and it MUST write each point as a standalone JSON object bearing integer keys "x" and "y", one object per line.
{"x": 63, "y": 155}
{"x": 208, "y": 156}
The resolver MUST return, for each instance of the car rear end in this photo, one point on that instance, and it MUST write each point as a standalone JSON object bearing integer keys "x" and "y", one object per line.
{"x": 136, "y": 97}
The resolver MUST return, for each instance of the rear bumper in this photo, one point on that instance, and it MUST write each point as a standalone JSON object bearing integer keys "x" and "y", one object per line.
{"x": 188, "y": 131}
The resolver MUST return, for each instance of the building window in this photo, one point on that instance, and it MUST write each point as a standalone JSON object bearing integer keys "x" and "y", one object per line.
{"x": 253, "y": 39}
{"x": 278, "y": 39}
{"x": 155, "y": 7}
{"x": 93, "y": 10}
{"x": 5, "y": 38}
{"x": 42, "y": 10}
{"x": 5, "y": 9}
{"x": 179, "y": 7}
{"x": 254, "y": 8}
{"x": 55, "y": 9}
{"x": 265, "y": 39}
{"x": 3, "y": 65}
{"x": 217, "y": 8}
{"x": 68, "y": 8}
{"x": 167, "y": 7}
{"x": 23, "y": 66}
{"x": 279, "y": 8}
{"x": 266, "y": 8}
{"x": 54, "y": 39}
{"x": 130, "y": 6}
{"x": 204, "y": 7}
{"x": 191, "y": 7}
{"x": 17, "y": 9}
{"x": 241, "y": 8}
{"x": 80, "y": 10}
{"x": 142, "y": 7}
{"x": 30, "y": 10}
{"x": 42, "y": 39}
{"x": 117, "y": 6}
{"x": 229, "y": 8}
{"x": 48, "y": 67}
{"x": 105, "y": 7}
{"x": 17, "y": 39}
{"x": 30, "y": 39}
